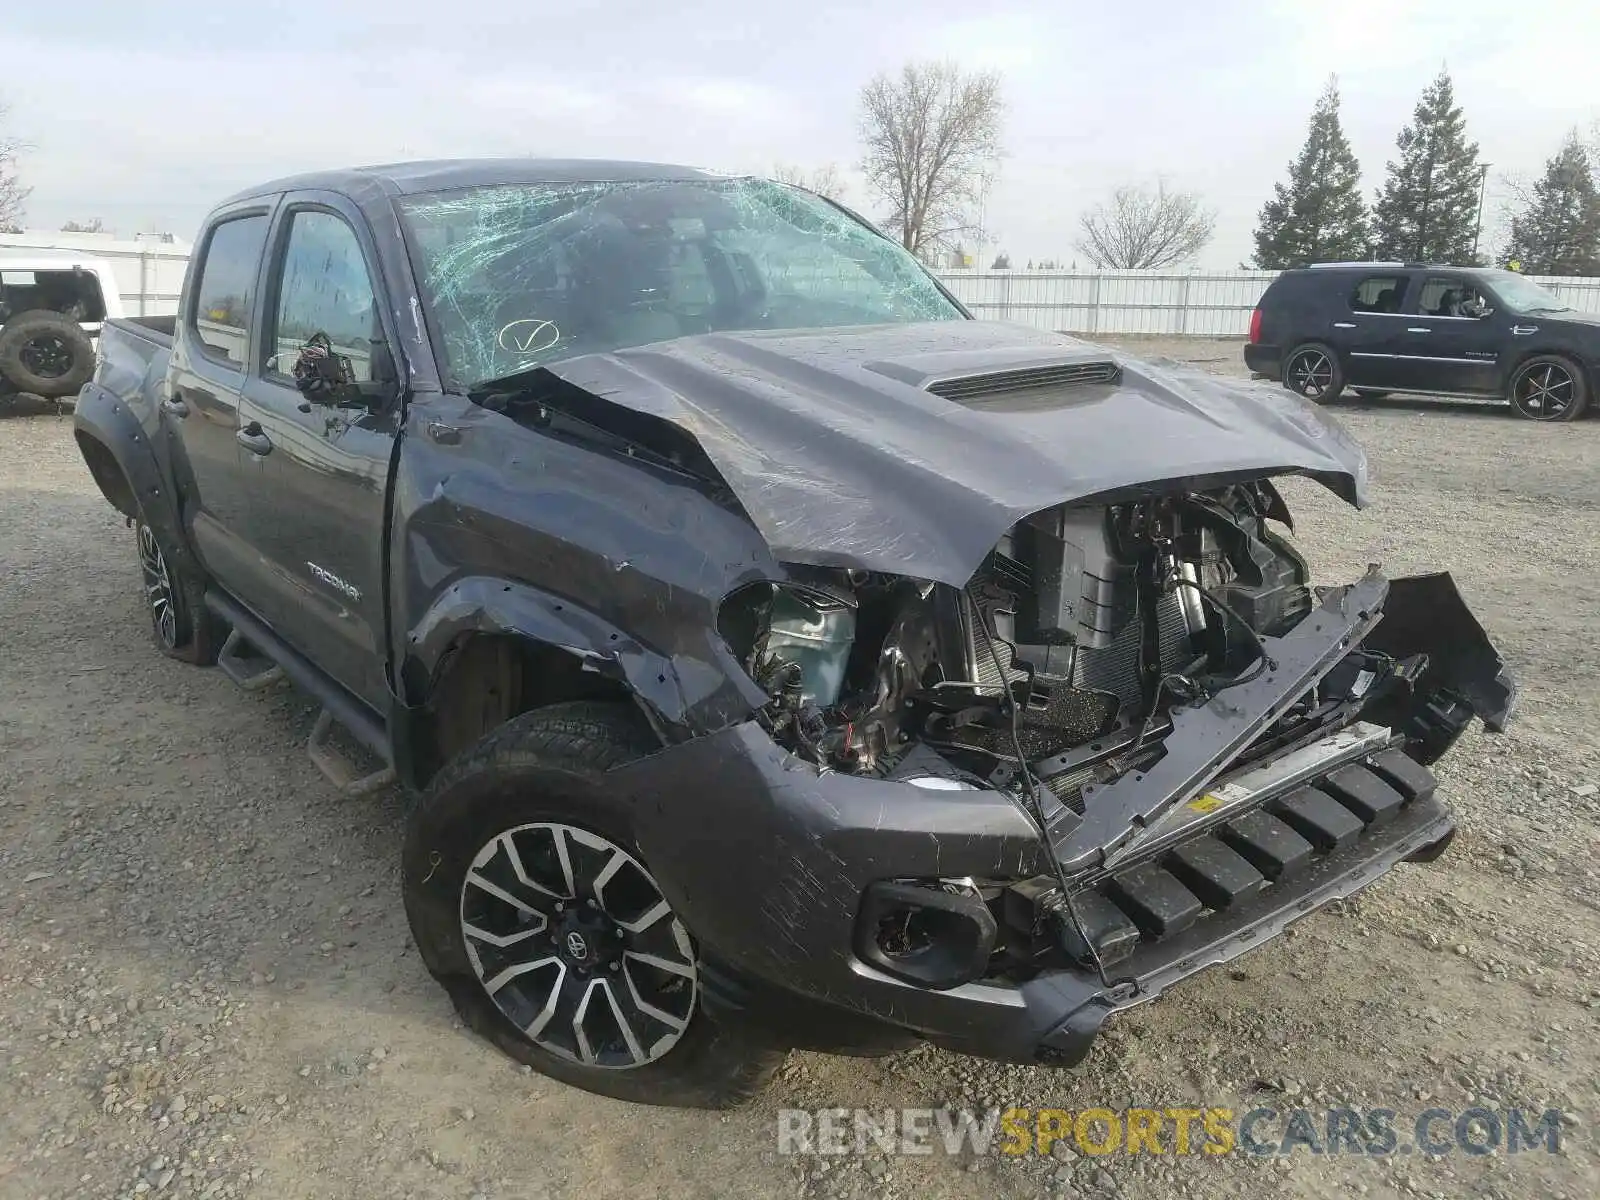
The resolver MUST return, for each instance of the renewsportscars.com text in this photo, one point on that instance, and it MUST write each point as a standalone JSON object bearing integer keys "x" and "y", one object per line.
{"x": 1098, "y": 1132}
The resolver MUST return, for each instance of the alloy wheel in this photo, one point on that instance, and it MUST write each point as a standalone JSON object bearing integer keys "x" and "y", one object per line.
{"x": 47, "y": 355}
{"x": 158, "y": 587}
{"x": 575, "y": 944}
{"x": 1543, "y": 391}
{"x": 1311, "y": 374}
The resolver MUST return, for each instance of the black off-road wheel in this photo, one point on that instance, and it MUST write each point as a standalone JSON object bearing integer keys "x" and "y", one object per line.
{"x": 175, "y": 599}
{"x": 1548, "y": 388}
{"x": 45, "y": 353}
{"x": 1313, "y": 371}
{"x": 531, "y": 904}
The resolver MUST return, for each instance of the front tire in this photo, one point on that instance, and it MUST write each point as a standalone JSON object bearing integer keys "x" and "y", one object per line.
{"x": 1547, "y": 388}
{"x": 175, "y": 600}
{"x": 531, "y": 904}
{"x": 1313, "y": 371}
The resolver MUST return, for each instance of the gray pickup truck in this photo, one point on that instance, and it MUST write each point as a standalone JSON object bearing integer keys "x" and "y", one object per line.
{"x": 780, "y": 656}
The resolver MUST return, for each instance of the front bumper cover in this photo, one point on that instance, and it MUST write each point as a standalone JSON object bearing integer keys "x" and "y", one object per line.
{"x": 767, "y": 860}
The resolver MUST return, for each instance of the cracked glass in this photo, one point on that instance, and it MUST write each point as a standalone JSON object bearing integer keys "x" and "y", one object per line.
{"x": 517, "y": 276}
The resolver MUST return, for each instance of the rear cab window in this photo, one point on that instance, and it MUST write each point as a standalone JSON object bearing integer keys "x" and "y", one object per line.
{"x": 1378, "y": 294}
{"x": 225, "y": 287}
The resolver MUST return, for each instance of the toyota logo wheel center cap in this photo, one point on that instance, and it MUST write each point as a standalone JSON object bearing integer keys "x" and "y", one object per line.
{"x": 586, "y": 939}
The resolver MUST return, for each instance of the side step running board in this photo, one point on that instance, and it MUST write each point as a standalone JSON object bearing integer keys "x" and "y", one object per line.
{"x": 245, "y": 665}
{"x": 253, "y": 656}
{"x": 337, "y": 767}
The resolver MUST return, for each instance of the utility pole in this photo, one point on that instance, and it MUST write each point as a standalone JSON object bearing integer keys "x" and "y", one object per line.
{"x": 1477, "y": 228}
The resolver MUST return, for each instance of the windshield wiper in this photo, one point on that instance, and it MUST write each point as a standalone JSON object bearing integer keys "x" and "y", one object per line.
{"x": 1550, "y": 308}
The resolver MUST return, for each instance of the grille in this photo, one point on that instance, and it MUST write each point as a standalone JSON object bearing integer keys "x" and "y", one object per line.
{"x": 968, "y": 388}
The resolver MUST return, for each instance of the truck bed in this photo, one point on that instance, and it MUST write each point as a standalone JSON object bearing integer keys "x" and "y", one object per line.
{"x": 133, "y": 357}
{"x": 159, "y": 330}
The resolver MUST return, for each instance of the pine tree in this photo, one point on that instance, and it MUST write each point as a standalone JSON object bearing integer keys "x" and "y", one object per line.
{"x": 1318, "y": 216}
{"x": 1558, "y": 230}
{"x": 1427, "y": 209}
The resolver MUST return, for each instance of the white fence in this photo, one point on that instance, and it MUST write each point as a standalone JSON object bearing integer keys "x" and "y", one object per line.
{"x": 1192, "y": 304}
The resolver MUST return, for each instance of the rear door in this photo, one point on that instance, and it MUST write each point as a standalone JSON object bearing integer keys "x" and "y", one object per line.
{"x": 206, "y": 378}
{"x": 317, "y": 508}
{"x": 1451, "y": 338}
{"x": 1365, "y": 327}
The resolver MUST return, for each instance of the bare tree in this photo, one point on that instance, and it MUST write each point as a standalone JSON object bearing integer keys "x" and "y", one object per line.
{"x": 824, "y": 180}
{"x": 1140, "y": 228}
{"x": 94, "y": 225}
{"x": 931, "y": 140}
{"x": 12, "y": 193}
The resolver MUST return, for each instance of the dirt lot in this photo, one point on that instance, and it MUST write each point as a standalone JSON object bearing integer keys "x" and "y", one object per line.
{"x": 206, "y": 987}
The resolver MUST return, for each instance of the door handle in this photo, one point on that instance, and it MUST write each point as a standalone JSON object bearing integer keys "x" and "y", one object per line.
{"x": 174, "y": 406}
{"x": 1524, "y": 330}
{"x": 253, "y": 440}
{"x": 1344, "y": 324}
{"x": 1418, "y": 329}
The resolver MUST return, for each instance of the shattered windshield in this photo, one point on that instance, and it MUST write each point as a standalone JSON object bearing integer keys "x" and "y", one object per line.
{"x": 521, "y": 275}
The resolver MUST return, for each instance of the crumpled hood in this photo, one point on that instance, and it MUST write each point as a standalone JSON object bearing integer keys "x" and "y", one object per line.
{"x": 841, "y": 457}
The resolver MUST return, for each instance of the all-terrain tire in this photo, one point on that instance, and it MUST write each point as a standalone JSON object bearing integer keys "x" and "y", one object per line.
{"x": 1312, "y": 370}
{"x": 539, "y": 774}
{"x": 181, "y": 624}
{"x": 46, "y": 353}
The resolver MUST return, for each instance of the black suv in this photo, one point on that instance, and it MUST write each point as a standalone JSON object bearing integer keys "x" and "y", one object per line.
{"x": 1418, "y": 327}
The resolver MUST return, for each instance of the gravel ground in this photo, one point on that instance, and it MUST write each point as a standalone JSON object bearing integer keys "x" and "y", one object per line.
{"x": 206, "y": 987}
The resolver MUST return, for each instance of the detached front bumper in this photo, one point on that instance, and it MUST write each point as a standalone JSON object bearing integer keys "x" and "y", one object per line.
{"x": 768, "y": 860}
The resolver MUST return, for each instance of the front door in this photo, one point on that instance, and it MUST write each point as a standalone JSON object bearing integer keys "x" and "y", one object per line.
{"x": 1365, "y": 327}
{"x": 317, "y": 514}
{"x": 1450, "y": 339}
{"x": 201, "y": 406}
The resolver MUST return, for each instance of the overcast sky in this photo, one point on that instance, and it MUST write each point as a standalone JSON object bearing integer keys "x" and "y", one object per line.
{"x": 145, "y": 113}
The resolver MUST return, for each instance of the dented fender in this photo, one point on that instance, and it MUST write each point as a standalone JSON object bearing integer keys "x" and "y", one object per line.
{"x": 498, "y": 528}
{"x": 678, "y": 691}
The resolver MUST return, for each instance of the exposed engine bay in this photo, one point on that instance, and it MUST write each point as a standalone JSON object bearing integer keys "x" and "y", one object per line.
{"x": 1066, "y": 667}
{"x": 1085, "y": 620}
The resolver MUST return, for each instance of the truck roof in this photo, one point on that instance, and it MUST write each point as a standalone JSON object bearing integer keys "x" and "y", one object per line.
{"x": 431, "y": 175}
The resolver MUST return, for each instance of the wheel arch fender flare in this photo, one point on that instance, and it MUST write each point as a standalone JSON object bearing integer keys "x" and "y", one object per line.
{"x": 120, "y": 454}
{"x": 681, "y": 694}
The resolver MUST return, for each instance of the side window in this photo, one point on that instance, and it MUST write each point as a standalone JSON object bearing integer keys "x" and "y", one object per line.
{"x": 223, "y": 296}
{"x": 327, "y": 289}
{"x": 1445, "y": 297}
{"x": 1378, "y": 294}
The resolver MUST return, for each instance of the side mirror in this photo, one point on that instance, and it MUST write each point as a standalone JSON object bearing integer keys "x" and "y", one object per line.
{"x": 322, "y": 375}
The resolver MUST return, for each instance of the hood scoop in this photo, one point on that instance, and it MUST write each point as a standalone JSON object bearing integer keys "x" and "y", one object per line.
{"x": 1026, "y": 387}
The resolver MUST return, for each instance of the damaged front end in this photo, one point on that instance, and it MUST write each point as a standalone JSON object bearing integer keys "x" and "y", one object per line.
{"x": 1049, "y": 713}
{"x": 1205, "y": 745}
